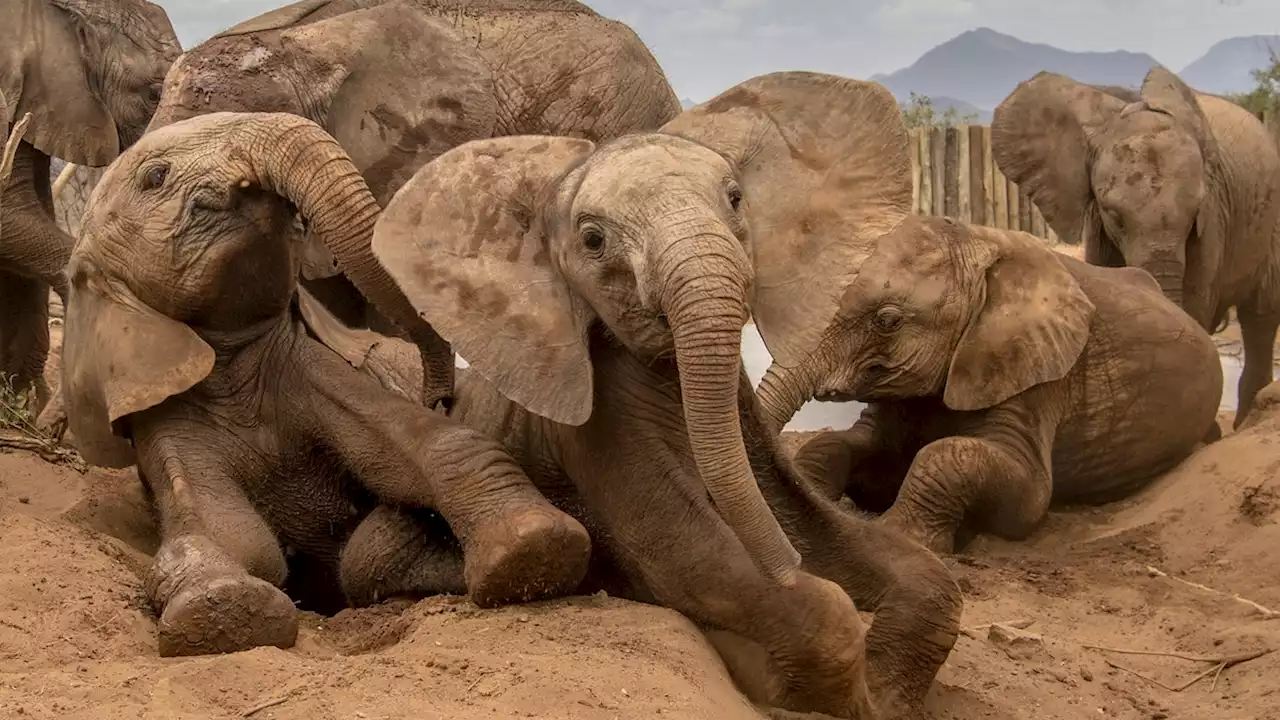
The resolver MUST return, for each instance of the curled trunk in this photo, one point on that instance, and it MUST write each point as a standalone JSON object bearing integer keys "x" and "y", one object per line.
{"x": 704, "y": 299}
{"x": 782, "y": 392}
{"x": 306, "y": 165}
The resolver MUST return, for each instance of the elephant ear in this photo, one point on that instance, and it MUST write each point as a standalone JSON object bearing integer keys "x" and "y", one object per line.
{"x": 1040, "y": 140}
{"x": 47, "y": 73}
{"x": 1030, "y": 324}
{"x": 824, "y": 167}
{"x": 1165, "y": 92}
{"x": 414, "y": 89}
{"x": 11, "y": 148}
{"x": 120, "y": 357}
{"x": 468, "y": 242}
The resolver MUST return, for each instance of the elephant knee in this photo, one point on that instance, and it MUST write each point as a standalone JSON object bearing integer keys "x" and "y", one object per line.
{"x": 394, "y": 553}
{"x": 975, "y": 477}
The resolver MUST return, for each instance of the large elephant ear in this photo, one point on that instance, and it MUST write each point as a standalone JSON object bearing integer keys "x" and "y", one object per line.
{"x": 415, "y": 89}
{"x": 1040, "y": 140}
{"x": 120, "y": 357}
{"x": 825, "y": 171}
{"x": 1030, "y": 324}
{"x": 468, "y": 242}
{"x": 44, "y": 70}
{"x": 1165, "y": 92}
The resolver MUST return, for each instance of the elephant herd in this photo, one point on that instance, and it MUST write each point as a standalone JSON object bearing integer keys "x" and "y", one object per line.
{"x": 304, "y": 217}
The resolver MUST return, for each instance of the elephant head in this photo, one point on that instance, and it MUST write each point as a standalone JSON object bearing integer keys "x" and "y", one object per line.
{"x": 89, "y": 72}
{"x": 184, "y": 240}
{"x": 1137, "y": 180}
{"x": 971, "y": 314}
{"x": 520, "y": 250}
{"x": 394, "y": 85}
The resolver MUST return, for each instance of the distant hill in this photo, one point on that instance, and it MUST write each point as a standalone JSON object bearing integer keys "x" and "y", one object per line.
{"x": 979, "y": 68}
{"x": 686, "y": 103}
{"x": 1227, "y": 66}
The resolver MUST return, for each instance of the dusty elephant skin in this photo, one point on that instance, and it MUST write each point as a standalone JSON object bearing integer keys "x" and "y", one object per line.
{"x": 599, "y": 296}
{"x": 1182, "y": 184}
{"x": 999, "y": 376}
{"x": 89, "y": 72}
{"x": 267, "y": 454}
{"x": 399, "y": 83}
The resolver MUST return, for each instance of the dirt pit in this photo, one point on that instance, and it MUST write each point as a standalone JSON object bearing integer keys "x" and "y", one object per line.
{"x": 77, "y": 638}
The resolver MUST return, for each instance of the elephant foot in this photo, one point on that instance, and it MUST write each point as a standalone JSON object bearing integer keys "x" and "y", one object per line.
{"x": 211, "y": 605}
{"x": 533, "y": 554}
{"x": 938, "y": 540}
{"x": 1213, "y": 435}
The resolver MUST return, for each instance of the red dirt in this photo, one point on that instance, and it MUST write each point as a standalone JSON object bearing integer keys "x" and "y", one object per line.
{"x": 77, "y": 638}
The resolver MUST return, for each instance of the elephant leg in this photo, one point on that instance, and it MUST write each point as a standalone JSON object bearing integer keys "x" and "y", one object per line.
{"x": 24, "y": 336}
{"x": 395, "y": 552}
{"x": 957, "y": 478}
{"x": 518, "y": 546}
{"x": 1258, "y": 333}
{"x": 215, "y": 580}
{"x": 916, "y": 601}
{"x": 854, "y": 462}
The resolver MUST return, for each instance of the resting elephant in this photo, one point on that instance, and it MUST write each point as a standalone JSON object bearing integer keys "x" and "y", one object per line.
{"x": 599, "y": 295}
{"x": 89, "y": 72}
{"x": 1182, "y": 184}
{"x": 398, "y": 83}
{"x": 269, "y": 457}
{"x": 1000, "y": 376}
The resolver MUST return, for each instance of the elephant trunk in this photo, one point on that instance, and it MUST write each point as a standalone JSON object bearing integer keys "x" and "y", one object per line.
{"x": 783, "y": 391}
{"x": 303, "y": 163}
{"x": 1169, "y": 270}
{"x": 702, "y": 290}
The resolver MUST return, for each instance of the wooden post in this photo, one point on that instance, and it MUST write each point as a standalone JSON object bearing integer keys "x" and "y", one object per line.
{"x": 951, "y": 173}
{"x": 977, "y": 186}
{"x": 913, "y": 149}
{"x": 1024, "y": 211}
{"x": 938, "y": 152}
{"x": 988, "y": 180}
{"x": 1002, "y": 198}
{"x": 965, "y": 208}
{"x": 926, "y": 173}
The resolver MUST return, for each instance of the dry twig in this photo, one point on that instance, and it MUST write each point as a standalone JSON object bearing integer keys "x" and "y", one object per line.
{"x": 266, "y": 704}
{"x": 1266, "y": 612}
{"x": 1219, "y": 664}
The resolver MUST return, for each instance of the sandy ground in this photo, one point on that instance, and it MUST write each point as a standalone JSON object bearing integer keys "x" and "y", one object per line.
{"x": 77, "y": 637}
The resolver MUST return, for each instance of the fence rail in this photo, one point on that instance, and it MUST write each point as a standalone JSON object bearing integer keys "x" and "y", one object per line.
{"x": 953, "y": 174}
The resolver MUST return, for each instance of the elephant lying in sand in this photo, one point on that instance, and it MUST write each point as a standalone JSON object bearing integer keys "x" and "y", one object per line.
{"x": 89, "y": 72}
{"x": 1180, "y": 183}
{"x": 999, "y": 376}
{"x": 268, "y": 456}
{"x": 398, "y": 83}
{"x": 599, "y": 295}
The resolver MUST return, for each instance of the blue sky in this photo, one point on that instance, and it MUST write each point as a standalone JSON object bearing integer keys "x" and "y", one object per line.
{"x": 706, "y": 46}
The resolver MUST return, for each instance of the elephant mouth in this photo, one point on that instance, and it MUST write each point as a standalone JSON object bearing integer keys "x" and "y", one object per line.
{"x": 836, "y": 396}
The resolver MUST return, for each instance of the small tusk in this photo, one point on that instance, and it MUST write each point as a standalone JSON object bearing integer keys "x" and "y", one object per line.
{"x": 64, "y": 177}
{"x": 244, "y": 183}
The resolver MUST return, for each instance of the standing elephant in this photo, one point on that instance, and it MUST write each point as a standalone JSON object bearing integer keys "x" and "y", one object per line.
{"x": 999, "y": 376}
{"x": 1182, "y": 184}
{"x": 185, "y": 352}
{"x": 398, "y": 83}
{"x": 89, "y": 72}
{"x": 599, "y": 293}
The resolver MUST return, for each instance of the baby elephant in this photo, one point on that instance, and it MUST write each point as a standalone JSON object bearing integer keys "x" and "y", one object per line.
{"x": 259, "y": 443}
{"x": 999, "y": 376}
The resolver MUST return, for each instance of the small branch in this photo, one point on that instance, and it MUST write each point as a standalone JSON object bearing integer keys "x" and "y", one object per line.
{"x": 1266, "y": 612}
{"x": 265, "y": 704}
{"x": 976, "y": 631}
{"x": 1219, "y": 664}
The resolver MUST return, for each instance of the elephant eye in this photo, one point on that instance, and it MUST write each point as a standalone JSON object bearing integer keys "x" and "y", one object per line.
{"x": 735, "y": 197}
{"x": 887, "y": 319}
{"x": 154, "y": 177}
{"x": 593, "y": 239}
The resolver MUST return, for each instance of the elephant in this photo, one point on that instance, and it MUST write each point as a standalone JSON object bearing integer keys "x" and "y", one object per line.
{"x": 398, "y": 83}
{"x": 999, "y": 376}
{"x": 1183, "y": 184}
{"x": 599, "y": 292}
{"x": 89, "y": 72}
{"x": 11, "y": 149}
{"x": 272, "y": 462}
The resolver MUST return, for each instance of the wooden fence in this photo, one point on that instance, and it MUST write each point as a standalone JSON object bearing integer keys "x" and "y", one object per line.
{"x": 953, "y": 174}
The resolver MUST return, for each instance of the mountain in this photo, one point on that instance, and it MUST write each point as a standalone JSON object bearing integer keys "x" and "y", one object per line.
{"x": 1227, "y": 66}
{"x": 981, "y": 67}
{"x": 686, "y": 103}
